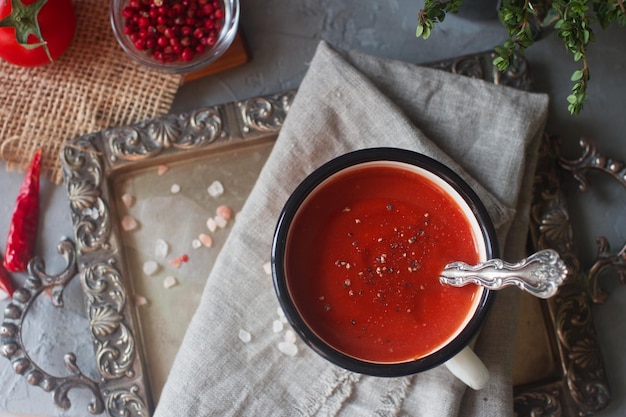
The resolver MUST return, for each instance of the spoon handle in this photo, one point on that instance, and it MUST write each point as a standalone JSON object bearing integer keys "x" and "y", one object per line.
{"x": 540, "y": 274}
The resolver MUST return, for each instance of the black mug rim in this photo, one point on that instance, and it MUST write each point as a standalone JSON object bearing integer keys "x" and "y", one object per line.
{"x": 279, "y": 246}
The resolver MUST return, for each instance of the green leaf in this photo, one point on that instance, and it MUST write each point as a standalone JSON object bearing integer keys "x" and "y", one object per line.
{"x": 577, "y": 75}
{"x": 499, "y": 61}
{"x": 419, "y": 31}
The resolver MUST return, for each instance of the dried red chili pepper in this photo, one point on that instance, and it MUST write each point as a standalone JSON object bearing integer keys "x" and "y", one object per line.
{"x": 5, "y": 282}
{"x": 25, "y": 221}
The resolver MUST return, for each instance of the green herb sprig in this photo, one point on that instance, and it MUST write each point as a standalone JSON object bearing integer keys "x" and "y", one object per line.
{"x": 571, "y": 20}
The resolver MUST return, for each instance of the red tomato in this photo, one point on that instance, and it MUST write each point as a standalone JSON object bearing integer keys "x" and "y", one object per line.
{"x": 57, "y": 23}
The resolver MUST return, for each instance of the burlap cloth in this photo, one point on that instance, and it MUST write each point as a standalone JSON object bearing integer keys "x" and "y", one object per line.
{"x": 488, "y": 134}
{"x": 93, "y": 85}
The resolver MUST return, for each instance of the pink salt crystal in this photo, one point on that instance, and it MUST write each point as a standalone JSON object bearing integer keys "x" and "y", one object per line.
{"x": 216, "y": 189}
{"x": 169, "y": 282}
{"x": 267, "y": 267}
{"x": 220, "y": 221}
{"x": 277, "y": 326}
{"x": 128, "y": 199}
{"x": 150, "y": 267}
{"x": 211, "y": 224}
{"x": 162, "y": 169}
{"x": 206, "y": 240}
{"x": 224, "y": 212}
{"x": 287, "y": 348}
{"x": 161, "y": 248}
{"x": 290, "y": 336}
{"x": 175, "y": 262}
{"x": 245, "y": 336}
{"x": 140, "y": 300}
{"x": 129, "y": 223}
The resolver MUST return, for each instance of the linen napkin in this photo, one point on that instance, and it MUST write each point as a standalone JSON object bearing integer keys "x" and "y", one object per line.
{"x": 230, "y": 363}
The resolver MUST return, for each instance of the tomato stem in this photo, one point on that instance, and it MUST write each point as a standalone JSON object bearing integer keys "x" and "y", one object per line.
{"x": 23, "y": 18}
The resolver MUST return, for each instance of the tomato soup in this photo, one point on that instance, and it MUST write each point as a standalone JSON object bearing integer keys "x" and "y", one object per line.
{"x": 364, "y": 254}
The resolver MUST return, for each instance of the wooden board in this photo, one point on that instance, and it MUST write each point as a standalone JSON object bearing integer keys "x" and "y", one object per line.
{"x": 236, "y": 55}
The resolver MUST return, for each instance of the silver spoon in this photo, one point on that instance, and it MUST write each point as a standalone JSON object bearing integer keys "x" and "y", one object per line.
{"x": 540, "y": 274}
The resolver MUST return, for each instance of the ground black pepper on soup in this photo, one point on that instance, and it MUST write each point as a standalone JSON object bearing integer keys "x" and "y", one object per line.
{"x": 363, "y": 259}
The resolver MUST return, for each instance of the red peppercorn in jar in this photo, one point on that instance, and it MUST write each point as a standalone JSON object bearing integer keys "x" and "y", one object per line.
{"x": 179, "y": 36}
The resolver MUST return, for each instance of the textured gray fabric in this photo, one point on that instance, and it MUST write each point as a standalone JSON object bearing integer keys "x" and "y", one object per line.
{"x": 488, "y": 134}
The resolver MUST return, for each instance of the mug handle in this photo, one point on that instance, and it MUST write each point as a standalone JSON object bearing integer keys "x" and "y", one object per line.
{"x": 467, "y": 367}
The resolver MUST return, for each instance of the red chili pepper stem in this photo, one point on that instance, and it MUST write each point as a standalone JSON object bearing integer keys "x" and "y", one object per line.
{"x": 25, "y": 221}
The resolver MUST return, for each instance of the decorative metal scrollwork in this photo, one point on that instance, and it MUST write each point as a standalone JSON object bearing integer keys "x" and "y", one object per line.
{"x": 591, "y": 159}
{"x": 542, "y": 402}
{"x": 584, "y": 389}
{"x": 481, "y": 67}
{"x": 469, "y": 66}
{"x": 83, "y": 170}
{"x": 152, "y": 137}
{"x": 12, "y": 344}
{"x": 126, "y": 403}
{"x": 605, "y": 262}
{"x": 264, "y": 114}
{"x": 106, "y": 296}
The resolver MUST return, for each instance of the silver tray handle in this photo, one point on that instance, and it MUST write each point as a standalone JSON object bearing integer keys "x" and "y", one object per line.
{"x": 11, "y": 343}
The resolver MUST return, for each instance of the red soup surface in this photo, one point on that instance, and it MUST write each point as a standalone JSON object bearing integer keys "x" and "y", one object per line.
{"x": 364, "y": 256}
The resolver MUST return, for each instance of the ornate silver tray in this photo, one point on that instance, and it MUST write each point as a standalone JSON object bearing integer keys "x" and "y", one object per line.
{"x": 136, "y": 324}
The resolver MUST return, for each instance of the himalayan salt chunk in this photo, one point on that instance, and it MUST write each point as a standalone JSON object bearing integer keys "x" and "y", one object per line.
{"x": 196, "y": 244}
{"x": 175, "y": 189}
{"x": 211, "y": 224}
{"x": 128, "y": 199}
{"x": 267, "y": 267}
{"x": 224, "y": 212}
{"x": 140, "y": 300}
{"x": 277, "y": 326}
{"x": 150, "y": 267}
{"x": 161, "y": 248}
{"x": 216, "y": 189}
{"x": 206, "y": 240}
{"x": 220, "y": 222}
{"x": 281, "y": 314}
{"x": 175, "y": 262}
{"x": 162, "y": 169}
{"x": 287, "y": 348}
{"x": 244, "y": 336}
{"x": 129, "y": 223}
{"x": 290, "y": 336}
{"x": 169, "y": 282}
